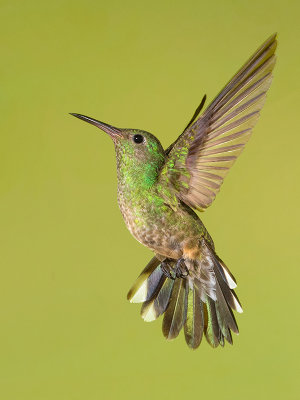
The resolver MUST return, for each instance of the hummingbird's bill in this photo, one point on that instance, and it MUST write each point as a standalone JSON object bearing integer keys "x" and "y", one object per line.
{"x": 111, "y": 130}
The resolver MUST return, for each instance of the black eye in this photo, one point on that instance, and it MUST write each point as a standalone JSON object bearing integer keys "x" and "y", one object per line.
{"x": 138, "y": 138}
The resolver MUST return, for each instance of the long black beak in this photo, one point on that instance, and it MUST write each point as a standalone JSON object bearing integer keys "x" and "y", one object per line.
{"x": 111, "y": 130}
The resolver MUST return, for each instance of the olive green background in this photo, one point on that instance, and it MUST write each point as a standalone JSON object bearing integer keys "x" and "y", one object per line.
{"x": 67, "y": 260}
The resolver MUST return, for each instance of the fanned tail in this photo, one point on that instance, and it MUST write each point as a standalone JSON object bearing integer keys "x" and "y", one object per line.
{"x": 202, "y": 302}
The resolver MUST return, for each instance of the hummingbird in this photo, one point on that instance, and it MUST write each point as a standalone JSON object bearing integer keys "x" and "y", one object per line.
{"x": 159, "y": 192}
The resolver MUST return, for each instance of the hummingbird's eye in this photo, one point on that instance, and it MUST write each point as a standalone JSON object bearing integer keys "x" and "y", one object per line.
{"x": 138, "y": 138}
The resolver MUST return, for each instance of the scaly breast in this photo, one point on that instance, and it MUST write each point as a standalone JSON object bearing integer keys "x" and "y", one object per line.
{"x": 138, "y": 216}
{"x": 158, "y": 227}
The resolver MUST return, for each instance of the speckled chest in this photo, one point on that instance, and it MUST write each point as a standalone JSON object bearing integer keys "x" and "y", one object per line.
{"x": 156, "y": 225}
{"x": 143, "y": 219}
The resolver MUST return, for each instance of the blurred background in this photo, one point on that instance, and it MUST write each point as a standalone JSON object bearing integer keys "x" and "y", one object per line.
{"x": 67, "y": 260}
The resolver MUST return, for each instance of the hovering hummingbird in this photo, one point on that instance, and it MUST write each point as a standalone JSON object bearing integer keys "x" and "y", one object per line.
{"x": 158, "y": 190}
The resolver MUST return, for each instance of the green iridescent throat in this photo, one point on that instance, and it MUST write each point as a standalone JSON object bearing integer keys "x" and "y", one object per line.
{"x": 138, "y": 173}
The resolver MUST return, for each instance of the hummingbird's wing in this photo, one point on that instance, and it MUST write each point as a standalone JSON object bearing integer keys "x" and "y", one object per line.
{"x": 200, "y": 158}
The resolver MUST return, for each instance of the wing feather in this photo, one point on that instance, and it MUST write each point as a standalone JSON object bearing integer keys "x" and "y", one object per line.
{"x": 201, "y": 157}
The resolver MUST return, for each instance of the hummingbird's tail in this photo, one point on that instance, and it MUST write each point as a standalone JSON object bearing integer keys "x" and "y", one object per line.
{"x": 201, "y": 302}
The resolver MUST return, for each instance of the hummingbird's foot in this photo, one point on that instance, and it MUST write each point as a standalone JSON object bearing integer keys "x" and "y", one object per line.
{"x": 167, "y": 269}
{"x": 181, "y": 270}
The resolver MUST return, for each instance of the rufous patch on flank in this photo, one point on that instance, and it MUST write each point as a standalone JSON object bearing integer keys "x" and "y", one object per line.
{"x": 191, "y": 249}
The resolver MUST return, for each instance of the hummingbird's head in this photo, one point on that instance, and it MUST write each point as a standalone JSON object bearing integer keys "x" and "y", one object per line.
{"x": 139, "y": 153}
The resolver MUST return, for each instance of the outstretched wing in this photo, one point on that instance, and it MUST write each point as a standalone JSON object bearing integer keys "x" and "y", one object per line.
{"x": 200, "y": 158}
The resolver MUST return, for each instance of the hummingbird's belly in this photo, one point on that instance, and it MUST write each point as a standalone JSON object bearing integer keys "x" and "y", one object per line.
{"x": 166, "y": 232}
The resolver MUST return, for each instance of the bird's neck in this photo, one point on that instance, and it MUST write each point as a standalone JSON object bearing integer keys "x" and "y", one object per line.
{"x": 136, "y": 177}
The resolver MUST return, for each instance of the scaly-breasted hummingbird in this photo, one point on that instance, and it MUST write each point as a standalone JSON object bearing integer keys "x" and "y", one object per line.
{"x": 158, "y": 190}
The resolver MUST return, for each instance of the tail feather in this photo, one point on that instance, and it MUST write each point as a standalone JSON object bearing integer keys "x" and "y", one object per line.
{"x": 176, "y": 312}
{"x": 224, "y": 309}
{"x": 227, "y": 276}
{"x": 211, "y": 329}
{"x": 229, "y": 294}
{"x": 227, "y": 319}
{"x": 158, "y": 304}
{"x": 226, "y": 333}
{"x": 194, "y": 325}
{"x": 146, "y": 284}
{"x": 202, "y": 302}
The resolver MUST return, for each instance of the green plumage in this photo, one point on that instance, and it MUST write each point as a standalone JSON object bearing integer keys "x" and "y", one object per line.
{"x": 194, "y": 325}
{"x": 158, "y": 190}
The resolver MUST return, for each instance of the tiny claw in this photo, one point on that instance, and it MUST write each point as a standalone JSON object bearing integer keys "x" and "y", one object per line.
{"x": 167, "y": 270}
{"x": 181, "y": 269}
